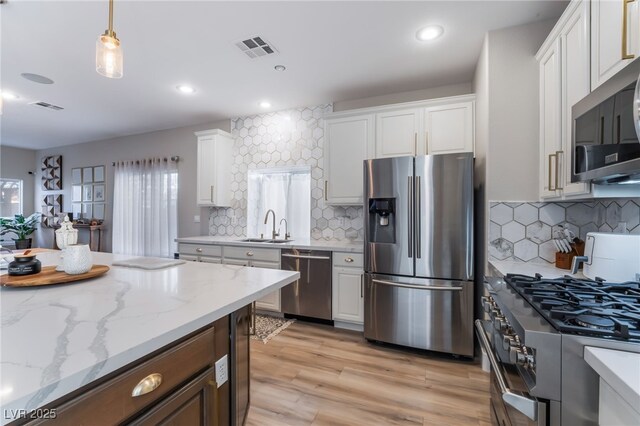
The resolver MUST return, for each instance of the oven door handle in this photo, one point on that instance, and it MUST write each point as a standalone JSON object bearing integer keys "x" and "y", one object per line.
{"x": 519, "y": 401}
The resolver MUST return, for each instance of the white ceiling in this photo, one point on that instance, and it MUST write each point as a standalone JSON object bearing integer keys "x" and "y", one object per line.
{"x": 333, "y": 51}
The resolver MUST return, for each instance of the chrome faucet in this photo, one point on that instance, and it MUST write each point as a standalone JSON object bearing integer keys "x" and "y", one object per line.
{"x": 286, "y": 228}
{"x": 274, "y": 234}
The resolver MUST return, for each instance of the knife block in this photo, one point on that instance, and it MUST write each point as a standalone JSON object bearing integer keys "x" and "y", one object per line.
{"x": 563, "y": 260}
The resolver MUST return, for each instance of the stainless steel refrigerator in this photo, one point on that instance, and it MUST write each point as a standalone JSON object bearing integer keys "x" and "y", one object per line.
{"x": 419, "y": 252}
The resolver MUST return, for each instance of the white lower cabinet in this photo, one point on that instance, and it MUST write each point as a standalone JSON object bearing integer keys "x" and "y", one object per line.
{"x": 270, "y": 302}
{"x": 348, "y": 288}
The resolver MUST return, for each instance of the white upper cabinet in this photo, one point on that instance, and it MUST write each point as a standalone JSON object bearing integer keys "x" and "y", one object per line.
{"x": 435, "y": 126}
{"x": 348, "y": 142}
{"x": 397, "y": 133}
{"x": 215, "y": 150}
{"x": 575, "y": 85}
{"x": 615, "y": 37}
{"x": 550, "y": 121}
{"x": 448, "y": 129}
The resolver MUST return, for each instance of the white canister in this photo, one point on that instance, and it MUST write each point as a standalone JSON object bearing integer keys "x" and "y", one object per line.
{"x": 77, "y": 259}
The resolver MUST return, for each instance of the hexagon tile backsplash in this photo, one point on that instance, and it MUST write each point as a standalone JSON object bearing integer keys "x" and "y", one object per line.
{"x": 284, "y": 138}
{"x": 523, "y": 231}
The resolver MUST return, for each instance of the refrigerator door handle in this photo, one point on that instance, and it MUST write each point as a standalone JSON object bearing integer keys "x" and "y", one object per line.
{"x": 418, "y": 235}
{"x": 409, "y": 214}
{"x": 417, "y": 287}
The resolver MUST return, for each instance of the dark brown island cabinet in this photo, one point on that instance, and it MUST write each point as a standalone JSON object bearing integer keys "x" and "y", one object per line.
{"x": 175, "y": 385}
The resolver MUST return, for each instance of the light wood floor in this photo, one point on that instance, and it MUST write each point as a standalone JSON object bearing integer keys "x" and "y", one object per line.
{"x": 317, "y": 375}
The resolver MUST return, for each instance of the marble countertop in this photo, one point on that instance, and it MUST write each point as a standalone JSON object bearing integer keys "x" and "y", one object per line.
{"x": 621, "y": 370}
{"x": 504, "y": 267}
{"x": 56, "y": 339}
{"x": 345, "y": 246}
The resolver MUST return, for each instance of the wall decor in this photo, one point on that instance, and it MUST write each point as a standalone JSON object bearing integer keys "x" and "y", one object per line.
{"x": 98, "y": 211}
{"x": 98, "y": 193}
{"x": 51, "y": 168}
{"x": 89, "y": 188}
{"x": 76, "y": 195}
{"x": 98, "y": 174}
{"x": 51, "y": 209}
{"x": 87, "y": 174}
{"x": 76, "y": 176}
{"x": 87, "y": 193}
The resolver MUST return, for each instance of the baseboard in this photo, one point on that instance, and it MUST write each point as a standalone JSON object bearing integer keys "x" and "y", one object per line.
{"x": 348, "y": 326}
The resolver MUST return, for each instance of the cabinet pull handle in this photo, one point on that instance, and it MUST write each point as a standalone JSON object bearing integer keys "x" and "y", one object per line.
{"x": 625, "y": 13}
{"x": 361, "y": 286}
{"x": 348, "y": 259}
{"x": 199, "y": 250}
{"x": 415, "y": 144}
{"x": 148, "y": 384}
{"x": 549, "y": 178}
{"x": 426, "y": 143}
{"x": 325, "y": 190}
{"x": 558, "y": 169}
{"x": 249, "y": 253}
{"x": 211, "y": 197}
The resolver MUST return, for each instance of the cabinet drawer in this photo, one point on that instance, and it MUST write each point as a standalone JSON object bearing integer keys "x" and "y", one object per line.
{"x": 200, "y": 250}
{"x": 350, "y": 260}
{"x": 251, "y": 253}
{"x": 112, "y": 402}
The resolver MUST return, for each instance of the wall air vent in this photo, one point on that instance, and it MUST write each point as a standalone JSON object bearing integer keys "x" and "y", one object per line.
{"x": 256, "y": 47}
{"x": 47, "y": 105}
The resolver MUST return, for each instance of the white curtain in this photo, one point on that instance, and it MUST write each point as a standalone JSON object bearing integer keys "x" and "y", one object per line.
{"x": 145, "y": 207}
{"x": 288, "y": 194}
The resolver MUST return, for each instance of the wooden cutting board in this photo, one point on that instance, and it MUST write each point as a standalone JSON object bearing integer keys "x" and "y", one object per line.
{"x": 49, "y": 276}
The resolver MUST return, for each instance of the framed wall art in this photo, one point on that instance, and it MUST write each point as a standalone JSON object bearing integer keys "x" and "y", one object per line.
{"x": 51, "y": 171}
{"x": 89, "y": 192}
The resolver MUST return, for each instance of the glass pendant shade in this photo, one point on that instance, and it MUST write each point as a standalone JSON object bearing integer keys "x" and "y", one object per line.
{"x": 109, "y": 56}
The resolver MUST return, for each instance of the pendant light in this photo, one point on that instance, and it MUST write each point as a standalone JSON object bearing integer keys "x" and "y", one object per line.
{"x": 109, "y": 51}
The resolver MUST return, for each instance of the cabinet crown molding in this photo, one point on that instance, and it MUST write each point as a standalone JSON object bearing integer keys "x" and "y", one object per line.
{"x": 213, "y": 132}
{"x": 404, "y": 105}
{"x": 557, "y": 28}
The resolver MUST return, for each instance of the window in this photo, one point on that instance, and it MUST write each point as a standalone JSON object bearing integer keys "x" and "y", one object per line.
{"x": 11, "y": 197}
{"x": 286, "y": 191}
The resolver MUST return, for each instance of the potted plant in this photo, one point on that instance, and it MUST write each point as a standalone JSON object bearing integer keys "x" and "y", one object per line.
{"x": 22, "y": 227}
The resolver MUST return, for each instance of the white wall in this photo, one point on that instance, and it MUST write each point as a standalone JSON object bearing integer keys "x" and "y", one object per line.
{"x": 16, "y": 163}
{"x": 414, "y": 95}
{"x": 180, "y": 141}
{"x": 513, "y": 137}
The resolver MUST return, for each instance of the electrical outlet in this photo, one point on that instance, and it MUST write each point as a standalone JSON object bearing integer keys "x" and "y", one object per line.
{"x": 222, "y": 371}
{"x": 196, "y": 218}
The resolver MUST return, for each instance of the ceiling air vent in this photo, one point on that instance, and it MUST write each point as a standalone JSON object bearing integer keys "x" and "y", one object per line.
{"x": 46, "y": 105}
{"x": 256, "y": 47}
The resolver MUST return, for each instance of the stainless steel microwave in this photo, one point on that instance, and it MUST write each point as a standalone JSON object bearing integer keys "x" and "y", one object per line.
{"x": 606, "y": 129}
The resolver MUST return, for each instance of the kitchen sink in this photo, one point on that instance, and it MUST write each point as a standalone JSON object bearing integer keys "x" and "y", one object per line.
{"x": 279, "y": 241}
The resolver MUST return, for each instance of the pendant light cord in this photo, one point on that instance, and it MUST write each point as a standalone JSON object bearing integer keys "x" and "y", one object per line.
{"x": 111, "y": 18}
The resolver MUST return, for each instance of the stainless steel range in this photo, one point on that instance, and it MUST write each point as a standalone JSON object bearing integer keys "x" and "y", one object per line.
{"x": 535, "y": 341}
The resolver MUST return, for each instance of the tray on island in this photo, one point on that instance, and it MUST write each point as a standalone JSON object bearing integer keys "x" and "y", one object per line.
{"x": 49, "y": 276}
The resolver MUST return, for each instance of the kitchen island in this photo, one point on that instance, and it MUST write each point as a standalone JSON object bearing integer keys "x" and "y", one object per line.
{"x": 60, "y": 340}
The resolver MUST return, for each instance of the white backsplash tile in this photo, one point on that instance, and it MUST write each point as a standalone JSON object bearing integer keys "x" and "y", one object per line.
{"x": 284, "y": 138}
{"x": 541, "y": 221}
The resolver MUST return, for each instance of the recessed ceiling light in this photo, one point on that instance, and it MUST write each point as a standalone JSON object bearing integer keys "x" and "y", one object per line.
{"x": 430, "y": 32}
{"x": 185, "y": 89}
{"x": 9, "y": 96}
{"x": 280, "y": 68}
{"x": 265, "y": 104}
{"x": 37, "y": 78}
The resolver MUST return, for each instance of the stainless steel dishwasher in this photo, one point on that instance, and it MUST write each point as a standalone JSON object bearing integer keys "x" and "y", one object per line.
{"x": 310, "y": 296}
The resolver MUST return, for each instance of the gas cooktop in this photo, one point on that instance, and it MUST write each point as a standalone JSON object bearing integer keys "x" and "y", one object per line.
{"x": 583, "y": 306}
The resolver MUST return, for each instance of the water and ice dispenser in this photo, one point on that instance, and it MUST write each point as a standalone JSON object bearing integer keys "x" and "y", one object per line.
{"x": 382, "y": 221}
